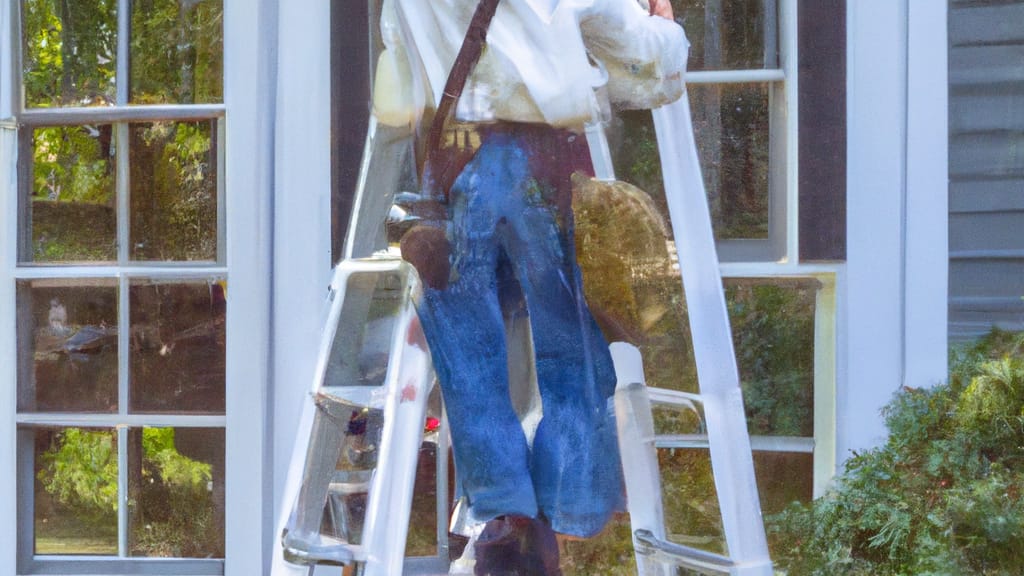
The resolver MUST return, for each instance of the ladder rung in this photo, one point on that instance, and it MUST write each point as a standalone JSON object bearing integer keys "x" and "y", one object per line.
{"x": 681, "y": 555}
{"x": 673, "y": 397}
{"x": 792, "y": 444}
{"x": 298, "y": 550}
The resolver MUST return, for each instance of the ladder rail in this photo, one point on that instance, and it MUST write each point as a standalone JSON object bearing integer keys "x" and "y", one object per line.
{"x": 717, "y": 373}
{"x": 401, "y": 399}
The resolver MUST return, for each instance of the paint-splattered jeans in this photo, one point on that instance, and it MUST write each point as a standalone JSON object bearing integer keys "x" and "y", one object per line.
{"x": 504, "y": 227}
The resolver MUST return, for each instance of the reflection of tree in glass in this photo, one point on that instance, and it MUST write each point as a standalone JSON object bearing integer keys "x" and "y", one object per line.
{"x": 174, "y": 513}
{"x": 70, "y": 50}
{"x": 72, "y": 163}
{"x": 176, "y": 51}
{"x": 171, "y": 498}
{"x": 80, "y": 471}
{"x": 723, "y": 33}
{"x": 174, "y": 191}
{"x": 72, "y": 194}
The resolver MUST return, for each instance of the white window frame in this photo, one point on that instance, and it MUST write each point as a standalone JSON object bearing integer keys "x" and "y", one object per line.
{"x": 244, "y": 254}
{"x": 778, "y": 256}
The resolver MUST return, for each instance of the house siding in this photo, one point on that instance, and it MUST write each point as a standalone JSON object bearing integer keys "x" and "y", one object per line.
{"x": 986, "y": 168}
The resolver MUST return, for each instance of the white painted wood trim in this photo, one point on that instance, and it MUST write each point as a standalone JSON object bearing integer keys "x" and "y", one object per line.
{"x": 8, "y": 367}
{"x": 789, "y": 55}
{"x": 876, "y": 171}
{"x": 8, "y": 244}
{"x": 250, "y": 32}
{"x": 927, "y": 246}
{"x": 825, "y": 371}
{"x": 302, "y": 223}
{"x": 897, "y": 210}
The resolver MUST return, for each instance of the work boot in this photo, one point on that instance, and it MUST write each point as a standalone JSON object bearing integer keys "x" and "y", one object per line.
{"x": 516, "y": 546}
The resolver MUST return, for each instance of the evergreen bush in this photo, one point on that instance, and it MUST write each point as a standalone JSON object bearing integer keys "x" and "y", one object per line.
{"x": 943, "y": 496}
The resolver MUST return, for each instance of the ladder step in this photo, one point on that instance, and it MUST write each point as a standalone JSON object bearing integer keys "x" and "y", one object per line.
{"x": 682, "y": 555}
{"x": 702, "y": 561}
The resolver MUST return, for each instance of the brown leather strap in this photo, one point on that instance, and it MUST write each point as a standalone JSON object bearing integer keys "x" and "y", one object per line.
{"x": 472, "y": 46}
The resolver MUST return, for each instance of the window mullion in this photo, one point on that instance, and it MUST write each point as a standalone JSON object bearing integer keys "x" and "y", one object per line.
{"x": 101, "y": 420}
{"x": 123, "y": 184}
{"x": 123, "y": 62}
{"x": 222, "y": 243}
{"x": 771, "y": 33}
{"x": 122, "y": 491}
{"x": 790, "y": 159}
{"x": 123, "y": 347}
{"x": 138, "y": 270}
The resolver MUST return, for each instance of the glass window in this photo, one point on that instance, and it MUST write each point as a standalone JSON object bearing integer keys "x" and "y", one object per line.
{"x": 729, "y": 35}
{"x": 173, "y": 173}
{"x": 69, "y": 53}
{"x": 68, "y": 200}
{"x": 75, "y": 491}
{"x": 176, "y": 52}
{"x": 121, "y": 287}
{"x": 737, "y": 95}
{"x": 68, "y": 344}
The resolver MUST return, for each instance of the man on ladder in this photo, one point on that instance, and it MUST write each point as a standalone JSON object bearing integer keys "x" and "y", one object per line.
{"x": 548, "y": 72}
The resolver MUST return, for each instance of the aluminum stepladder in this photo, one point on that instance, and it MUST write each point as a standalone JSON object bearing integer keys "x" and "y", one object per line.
{"x": 399, "y": 410}
{"x": 724, "y": 419}
{"x": 350, "y": 487}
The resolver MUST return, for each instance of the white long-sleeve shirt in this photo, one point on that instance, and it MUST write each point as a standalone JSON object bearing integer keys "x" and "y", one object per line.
{"x": 556, "y": 62}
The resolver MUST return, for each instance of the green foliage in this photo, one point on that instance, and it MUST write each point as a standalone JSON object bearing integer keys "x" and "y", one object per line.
{"x": 773, "y": 333}
{"x": 71, "y": 165}
{"x": 70, "y": 51}
{"x": 80, "y": 470}
{"x": 164, "y": 461}
{"x": 176, "y": 51}
{"x": 171, "y": 509}
{"x": 942, "y": 496}
{"x": 174, "y": 206}
{"x": 610, "y": 553}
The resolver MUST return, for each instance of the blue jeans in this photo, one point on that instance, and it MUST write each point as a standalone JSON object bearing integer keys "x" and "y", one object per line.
{"x": 504, "y": 227}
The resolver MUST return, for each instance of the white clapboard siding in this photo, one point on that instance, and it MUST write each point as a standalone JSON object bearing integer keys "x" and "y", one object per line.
{"x": 986, "y": 165}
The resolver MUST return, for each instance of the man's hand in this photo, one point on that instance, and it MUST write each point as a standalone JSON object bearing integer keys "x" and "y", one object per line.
{"x": 661, "y": 8}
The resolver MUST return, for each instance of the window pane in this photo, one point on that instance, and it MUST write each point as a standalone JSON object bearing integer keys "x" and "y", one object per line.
{"x": 177, "y": 346}
{"x": 176, "y": 51}
{"x": 692, "y": 515}
{"x": 69, "y": 52}
{"x": 67, "y": 346}
{"x": 173, "y": 191}
{"x": 75, "y": 494}
{"x": 783, "y": 478}
{"x": 727, "y": 34}
{"x": 68, "y": 198}
{"x": 176, "y": 491}
{"x": 731, "y": 123}
{"x": 773, "y": 332}
{"x": 369, "y": 317}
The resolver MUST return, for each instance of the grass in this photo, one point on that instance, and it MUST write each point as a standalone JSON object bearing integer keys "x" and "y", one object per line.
{"x": 67, "y": 534}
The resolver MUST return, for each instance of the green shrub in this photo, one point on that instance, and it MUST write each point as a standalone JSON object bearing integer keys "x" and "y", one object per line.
{"x": 941, "y": 497}
{"x": 171, "y": 511}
